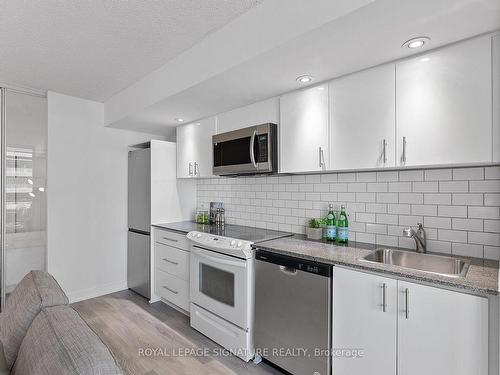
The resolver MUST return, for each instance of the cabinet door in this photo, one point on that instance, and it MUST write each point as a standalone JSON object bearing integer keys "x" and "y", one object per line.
{"x": 203, "y": 149}
{"x": 360, "y": 321}
{"x": 194, "y": 148}
{"x": 496, "y": 98}
{"x": 304, "y": 130}
{"x": 441, "y": 332}
{"x": 185, "y": 150}
{"x": 254, "y": 114}
{"x": 362, "y": 119}
{"x": 443, "y": 105}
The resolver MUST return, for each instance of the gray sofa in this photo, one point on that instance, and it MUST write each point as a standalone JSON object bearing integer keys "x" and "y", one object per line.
{"x": 42, "y": 335}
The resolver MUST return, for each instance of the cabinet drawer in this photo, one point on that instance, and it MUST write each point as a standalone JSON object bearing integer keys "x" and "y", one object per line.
{"x": 172, "y": 289}
{"x": 171, "y": 260}
{"x": 170, "y": 238}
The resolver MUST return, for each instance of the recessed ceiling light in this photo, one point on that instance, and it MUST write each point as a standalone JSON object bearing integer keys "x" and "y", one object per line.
{"x": 31, "y": 195}
{"x": 416, "y": 42}
{"x": 425, "y": 59}
{"x": 178, "y": 119}
{"x": 321, "y": 87}
{"x": 304, "y": 79}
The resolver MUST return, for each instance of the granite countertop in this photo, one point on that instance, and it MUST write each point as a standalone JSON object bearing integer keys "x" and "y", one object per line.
{"x": 481, "y": 278}
{"x": 239, "y": 232}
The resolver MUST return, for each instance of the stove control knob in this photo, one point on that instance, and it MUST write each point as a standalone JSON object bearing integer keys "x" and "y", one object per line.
{"x": 198, "y": 235}
{"x": 239, "y": 244}
{"x": 233, "y": 242}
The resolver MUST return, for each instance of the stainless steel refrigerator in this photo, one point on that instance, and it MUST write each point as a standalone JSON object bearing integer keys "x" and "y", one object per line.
{"x": 139, "y": 221}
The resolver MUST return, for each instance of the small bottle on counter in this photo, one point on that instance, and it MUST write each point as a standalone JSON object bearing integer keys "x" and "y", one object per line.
{"x": 331, "y": 228}
{"x": 342, "y": 226}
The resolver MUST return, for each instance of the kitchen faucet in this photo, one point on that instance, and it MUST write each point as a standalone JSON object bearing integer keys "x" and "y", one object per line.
{"x": 418, "y": 236}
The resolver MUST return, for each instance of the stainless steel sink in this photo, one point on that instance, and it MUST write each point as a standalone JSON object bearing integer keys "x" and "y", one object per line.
{"x": 441, "y": 265}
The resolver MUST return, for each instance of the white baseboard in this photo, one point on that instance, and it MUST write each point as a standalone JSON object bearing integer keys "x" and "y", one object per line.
{"x": 97, "y": 291}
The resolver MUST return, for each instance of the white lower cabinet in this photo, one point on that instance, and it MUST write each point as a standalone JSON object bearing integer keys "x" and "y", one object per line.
{"x": 423, "y": 330}
{"x": 171, "y": 267}
{"x": 360, "y": 321}
{"x": 444, "y": 333}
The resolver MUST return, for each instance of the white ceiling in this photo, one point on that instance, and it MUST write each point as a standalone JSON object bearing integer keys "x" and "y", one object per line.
{"x": 95, "y": 48}
{"x": 369, "y": 35}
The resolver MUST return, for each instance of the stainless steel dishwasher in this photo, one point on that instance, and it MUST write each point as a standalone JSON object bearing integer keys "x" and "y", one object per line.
{"x": 293, "y": 313}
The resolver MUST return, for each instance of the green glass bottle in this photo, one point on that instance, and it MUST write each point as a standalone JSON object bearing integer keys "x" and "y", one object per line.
{"x": 342, "y": 226}
{"x": 331, "y": 228}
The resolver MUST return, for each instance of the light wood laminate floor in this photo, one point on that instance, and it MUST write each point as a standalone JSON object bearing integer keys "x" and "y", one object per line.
{"x": 155, "y": 339}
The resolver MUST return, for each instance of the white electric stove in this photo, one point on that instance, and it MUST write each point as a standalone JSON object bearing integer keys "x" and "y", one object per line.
{"x": 222, "y": 291}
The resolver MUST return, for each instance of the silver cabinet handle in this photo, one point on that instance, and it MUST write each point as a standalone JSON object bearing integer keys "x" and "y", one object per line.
{"x": 403, "y": 158}
{"x": 407, "y": 303}
{"x": 190, "y": 169}
{"x": 384, "y": 297}
{"x": 170, "y": 261}
{"x": 196, "y": 169}
{"x": 252, "y": 154}
{"x": 321, "y": 158}
{"x": 384, "y": 152}
{"x": 170, "y": 239}
{"x": 171, "y": 290}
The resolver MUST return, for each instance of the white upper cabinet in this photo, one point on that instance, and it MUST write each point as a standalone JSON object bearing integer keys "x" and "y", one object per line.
{"x": 441, "y": 332}
{"x": 304, "y": 130}
{"x": 444, "y": 105}
{"x": 496, "y": 98}
{"x": 254, "y": 114}
{"x": 194, "y": 149}
{"x": 362, "y": 119}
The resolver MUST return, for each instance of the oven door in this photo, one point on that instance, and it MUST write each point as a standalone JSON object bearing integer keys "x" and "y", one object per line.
{"x": 244, "y": 151}
{"x": 219, "y": 284}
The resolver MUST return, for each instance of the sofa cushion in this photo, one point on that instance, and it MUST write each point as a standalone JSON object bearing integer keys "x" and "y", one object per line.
{"x": 37, "y": 290}
{"x": 60, "y": 342}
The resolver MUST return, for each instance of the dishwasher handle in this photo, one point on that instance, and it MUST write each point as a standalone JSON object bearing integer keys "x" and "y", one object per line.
{"x": 288, "y": 270}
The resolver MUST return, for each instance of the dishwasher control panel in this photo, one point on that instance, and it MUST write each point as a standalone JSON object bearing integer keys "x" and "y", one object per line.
{"x": 293, "y": 263}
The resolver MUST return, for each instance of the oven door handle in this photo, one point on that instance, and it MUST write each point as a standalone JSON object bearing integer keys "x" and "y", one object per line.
{"x": 203, "y": 254}
{"x": 252, "y": 153}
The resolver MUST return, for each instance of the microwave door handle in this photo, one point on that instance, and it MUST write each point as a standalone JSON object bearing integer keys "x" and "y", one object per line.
{"x": 252, "y": 154}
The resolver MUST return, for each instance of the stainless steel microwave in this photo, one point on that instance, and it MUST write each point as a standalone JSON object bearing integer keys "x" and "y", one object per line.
{"x": 250, "y": 150}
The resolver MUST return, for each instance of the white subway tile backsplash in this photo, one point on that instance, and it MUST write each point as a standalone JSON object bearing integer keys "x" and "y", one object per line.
{"x": 413, "y": 175}
{"x": 452, "y": 211}
{"x": 437, "y": 198}
{"x": 437, "y": 222}
{"x": 468, "y": 173}
{"x": 379, "y": 187}
{"x": 492, "y": 173}
{"x": 492, "y": 199}
{"x": 453, "y": 186}
{"x": 426, "y": 187}
{"x": 481, "y": 238}
{"x": 412, "y": 198}
{"x": 468, "y": 224}
{"x": 492, "y": 226}
{"x": 463, "y": 249}
{"x": 452, "y": 235}
{"x": 366, "y": 177}
{"x": 387, "y": 197}
{"x": 486, "y": 186}
{"x": 472, "y": 199}
{"x": 387, "y": 176}
{"x": 398, "y": 209}
{"x": 438, "y": 174}
{"x": 460, "y": 207}
{"x": 492, "y": 252}
{"x": 484, "y": 212}
{"x": 423, "y": 210}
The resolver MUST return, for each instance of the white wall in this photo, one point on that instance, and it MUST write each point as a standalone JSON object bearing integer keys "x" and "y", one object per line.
{"x": 87, "y": 198}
